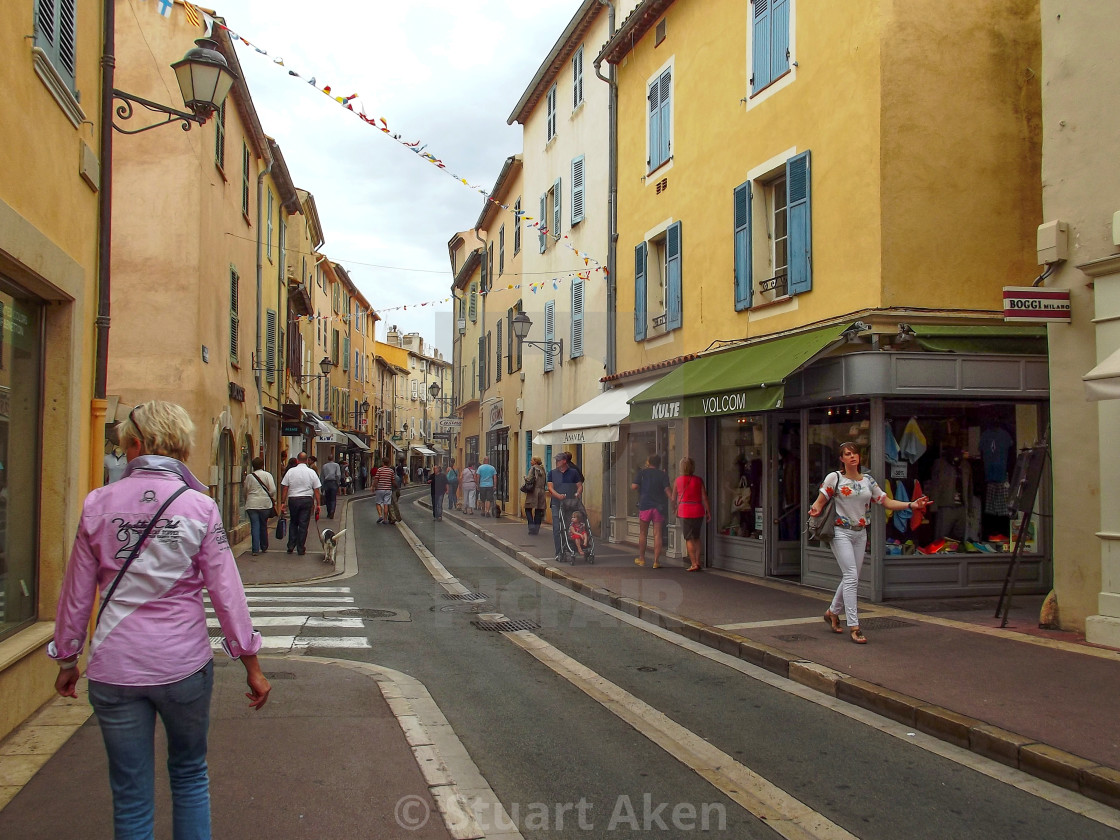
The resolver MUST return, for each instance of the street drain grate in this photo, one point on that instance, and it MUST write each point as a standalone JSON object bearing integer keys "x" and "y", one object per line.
{"x": 507, "y": 625}
{"x": 796, "y": 637}
{"x": 884, "y": 623}
{"x": 466, "y": 596}
{"x": 364, "y": 613}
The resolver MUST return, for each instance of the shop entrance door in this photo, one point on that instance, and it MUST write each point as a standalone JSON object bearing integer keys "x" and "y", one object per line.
{"x": 785, "y": 503}
{"x": 498, "y": 449}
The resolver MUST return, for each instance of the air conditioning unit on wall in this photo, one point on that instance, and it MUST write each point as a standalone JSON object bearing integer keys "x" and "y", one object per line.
{"x": 520, "y": 405}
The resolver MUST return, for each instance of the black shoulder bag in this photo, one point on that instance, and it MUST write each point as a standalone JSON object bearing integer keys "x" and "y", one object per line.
{"x": 136, "y": 550}
{"x": 823, "y": 527}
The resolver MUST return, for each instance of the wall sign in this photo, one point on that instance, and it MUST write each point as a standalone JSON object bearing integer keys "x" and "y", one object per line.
{"x": 236, "y": 392}
{"x": 497, "y": 415}
{"x": 1035, "y": 305}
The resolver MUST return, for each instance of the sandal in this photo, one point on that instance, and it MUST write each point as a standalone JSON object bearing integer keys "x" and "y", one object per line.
{"x": 638, "y": 561}
{"x": 857, "y": 636}
{"x": 693, "y": 569}
{"x": 833, "y": 621}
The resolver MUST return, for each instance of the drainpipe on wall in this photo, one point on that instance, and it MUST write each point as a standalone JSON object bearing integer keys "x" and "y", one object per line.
{"x": 612, "y": 247}
{"x": 105, "y": 204}
{"x": 257, "y": 363}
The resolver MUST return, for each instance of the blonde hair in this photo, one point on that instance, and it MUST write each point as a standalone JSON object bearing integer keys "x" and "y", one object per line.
{"x": 161, "y": 428}
{"x": 688, "y": 466}
{"x": 537, "y": 460}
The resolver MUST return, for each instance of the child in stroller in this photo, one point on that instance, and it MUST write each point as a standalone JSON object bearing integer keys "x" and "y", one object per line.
{"x": 576, "y": 537}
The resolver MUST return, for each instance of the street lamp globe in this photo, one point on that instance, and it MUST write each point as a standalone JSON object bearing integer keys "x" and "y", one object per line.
{"x": 433, "y": 389}
{"x": 204, "y": 77}
{"x": 325, "y": 365}
{"x": 365, "y": 406}
{"x": 521, "y": 325}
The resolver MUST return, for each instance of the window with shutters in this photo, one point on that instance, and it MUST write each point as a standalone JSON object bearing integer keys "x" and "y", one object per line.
{"x": 472, "y": 308}
{"x": 346, "y": 352}
{"x": 415, "y": 390}
{"x": 220, "y": 136}
{"x": 550, "y": 114}
{"x": 234, "y": 323}
{"x": 481, "y": 363}
{"x": 577, "y": 319}
{"x": 773, "y": 234}
{"x": 270, "y": 346}
{"x": 245, "y": 161}
{"x": 550, "y": 226}
{"x": 490, "y": 267}
{"x": 56, "y": 35}
{"x": 513, "y": 346}
{"x": 517, "y": 227}
{"x": 577, "y": 190}
{"x": 659, "y": 98}
{"x": 498, "y": 353}
{"x": 501, "y": 250}
{"x": 577, "y": 78}
{"x": 268, "y": 227}
{"x": 334, "y": 346}
{"x": 771, "y": 42}
{"x": 549, "y": 335}
{"x": 658, "y": 287}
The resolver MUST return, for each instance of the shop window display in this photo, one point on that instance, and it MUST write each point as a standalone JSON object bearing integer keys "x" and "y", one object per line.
{"x": 827, "y": 429}
{"x": 640, "y": 444}
{"x": 738, "y": 498}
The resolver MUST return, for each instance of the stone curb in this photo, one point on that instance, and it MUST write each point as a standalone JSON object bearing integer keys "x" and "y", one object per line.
{"x": 1045, "y": 762}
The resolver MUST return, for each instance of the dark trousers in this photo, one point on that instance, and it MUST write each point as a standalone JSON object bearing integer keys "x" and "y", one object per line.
{"x": 299, "y": 510}
{"x": 330, "y": 497}
{"x": 556, "y": 528}
{"x": 534, "y": 517}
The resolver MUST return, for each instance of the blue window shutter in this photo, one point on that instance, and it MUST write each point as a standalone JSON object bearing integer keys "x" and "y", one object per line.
{"x": 673, "y": 320}
{"x": 549, "y": 334}
{"x": 779, "y": 40}
{"x": 548, "y": 458}
{"x": 654, "y": 125}
{"x": 640, "y": 292}
{"x": 556, "y": 227}
{"x": 665, "y": 114}
{"x": 798, "y": 177}
{"x": 577, "y": 190}
{"x": 577, "y": 319}
{"x": 760, "y": 46}
{"x": 542, "y": 222}
{"x": 528, "y": 448}
{"x": 744, "y": 288}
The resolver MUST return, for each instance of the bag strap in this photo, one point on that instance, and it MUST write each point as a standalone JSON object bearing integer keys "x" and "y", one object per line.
{"x": 265, "y": 489}
{"x": 136, "y": 550}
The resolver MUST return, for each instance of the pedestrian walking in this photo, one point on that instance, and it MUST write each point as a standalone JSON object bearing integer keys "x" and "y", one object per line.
{"x": 299, "y": 492}
{"x": 363, "y": 476}
{"x": 486, "y": 475}
{"x": 260, "y": 503}
{"x": 468, "y": 481}
{"x": 331, "y": 478}
{"x": 438, "y": 482}
{"x": 150, "y": 653}
{"x": 564, "y": 482}
{"x": 384, "y": 480}
{"x": 537, "y": 498}
{"x": 652, "y": 484}
{"x": 346, "y": 480}
{"x": 691, "y": 498}
{"x": 452, "y": 485}
{"x": 853, "y": 492}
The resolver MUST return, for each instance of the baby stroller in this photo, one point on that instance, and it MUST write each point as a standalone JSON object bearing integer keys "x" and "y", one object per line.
{"x": 569, "y": 550}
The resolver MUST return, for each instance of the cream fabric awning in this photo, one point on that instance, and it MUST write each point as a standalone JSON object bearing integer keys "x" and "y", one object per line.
{"x": 423, "y": 450}
{"x": 596, "y": 421}
{"x": 1103, "y": 381}
{"x": 325, "y": 432}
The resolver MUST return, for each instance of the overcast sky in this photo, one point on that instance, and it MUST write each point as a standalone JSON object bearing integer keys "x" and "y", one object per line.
{"x": 444, "y": 72}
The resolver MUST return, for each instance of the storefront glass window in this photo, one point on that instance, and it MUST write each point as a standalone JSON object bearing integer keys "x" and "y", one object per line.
{"x": 739, "y": 461}
{"x": 828, "y": 428}
{"x": 962, "y": 456}
{"x": 20, "y": 429}
{"x": 661, "y": 439}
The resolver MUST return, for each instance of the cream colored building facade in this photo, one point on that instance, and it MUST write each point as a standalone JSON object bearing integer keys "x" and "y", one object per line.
{"x": 466, "y": 251}
{"x": 1081, "y": 191}
{"x": 51, "y": 427}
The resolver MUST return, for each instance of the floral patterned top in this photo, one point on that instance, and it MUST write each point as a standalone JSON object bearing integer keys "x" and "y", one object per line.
{"x": 853, "y": 498}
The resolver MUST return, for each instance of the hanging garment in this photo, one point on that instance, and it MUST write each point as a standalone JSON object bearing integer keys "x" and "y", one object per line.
{"x": 916, "y": 519}
{"x": 913, "y": 443}
{"x": 902, "y": 517}
{"x": 890, "y": 445}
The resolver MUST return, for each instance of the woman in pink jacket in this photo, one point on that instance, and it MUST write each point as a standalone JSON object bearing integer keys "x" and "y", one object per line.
{"x": 150, "y": 652}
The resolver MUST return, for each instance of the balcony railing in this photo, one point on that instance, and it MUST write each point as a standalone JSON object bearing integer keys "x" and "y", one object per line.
{"x": 778, "y": 284}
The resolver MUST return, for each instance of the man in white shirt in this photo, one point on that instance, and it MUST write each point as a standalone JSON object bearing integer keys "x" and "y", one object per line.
{"x": 299, "y": 491}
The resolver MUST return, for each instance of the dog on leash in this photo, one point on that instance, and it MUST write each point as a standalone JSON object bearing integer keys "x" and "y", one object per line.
{"x": 330, "y": 543}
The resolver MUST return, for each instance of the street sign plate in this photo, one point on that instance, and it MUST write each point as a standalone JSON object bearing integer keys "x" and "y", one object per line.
{"x": 451, "y": 423}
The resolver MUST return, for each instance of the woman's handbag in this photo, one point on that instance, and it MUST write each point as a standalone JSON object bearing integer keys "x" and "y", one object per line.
{"x": 823, "y": 527}
{"x": 274, "y": 511}
{"x": 741, "y": 501}
{"x": 530, "y": 484}
{"x": 281, "y": 528}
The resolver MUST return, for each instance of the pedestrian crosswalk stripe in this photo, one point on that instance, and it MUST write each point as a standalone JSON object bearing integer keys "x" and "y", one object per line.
{"x": 298, "y": 590}
{"x": 283, "y": 613}
{"x": 299, "y": 599}
{"x": 297, "y": 621}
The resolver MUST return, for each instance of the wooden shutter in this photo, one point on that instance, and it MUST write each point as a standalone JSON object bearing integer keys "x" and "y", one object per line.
{"x": 577, "y": 190}
{"x": 234, "y": 292}
{"x": 484, "y": 284}
{"x": 270, "y": 345}
{"x": 654, "y": 98}
{"x": 744, "y": 288}
{"x": 517, "y": 226}
{"x": 640, "y": 292}
{"x": 481, "y": 363}
{"x": 509, "y": 340}
{"x": 556, "y": 226}
{"x": 798, "y": 177}
{"x": 501, "y": 250}
{"x": 490, "y": 268}
{"x": 673, "y": 289}
{"x": 665, "y": 115}
{"x": 346, "y": 352}
{"x": 549, "y": 334}
{"x": 779, "y": 38}
{"x": 517, "y": 309}
{"x": 542, "y": 223}
{"x": 473, "y": 308}
{"x": 760, "y": 46}
{"x": 577, "y": 319}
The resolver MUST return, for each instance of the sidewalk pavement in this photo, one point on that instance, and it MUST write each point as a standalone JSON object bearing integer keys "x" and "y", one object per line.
{"x": 1044, "y": 702}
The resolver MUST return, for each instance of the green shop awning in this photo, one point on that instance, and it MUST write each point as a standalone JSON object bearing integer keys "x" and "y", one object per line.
{"x": 1013, "y": 339}
{"x": 745, "y": 380}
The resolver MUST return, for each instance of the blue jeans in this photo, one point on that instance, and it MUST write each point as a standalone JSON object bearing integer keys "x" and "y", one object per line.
{"x": 127, "y": 717}
{"x": 330, "y": 497}
{"x": 258, "y": 524}
{"x": 437, "y": 505}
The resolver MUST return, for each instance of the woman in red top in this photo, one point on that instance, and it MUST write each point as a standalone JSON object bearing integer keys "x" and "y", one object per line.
{"x": 691, "y": 499}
